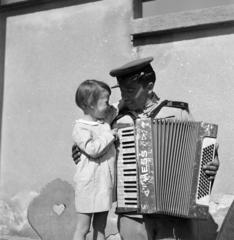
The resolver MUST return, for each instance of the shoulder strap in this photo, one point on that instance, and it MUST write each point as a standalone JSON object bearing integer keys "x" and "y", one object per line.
{"x": 168, "y": 103}
{"x": 178, "y": 104}
{"x": 165, "y": 103}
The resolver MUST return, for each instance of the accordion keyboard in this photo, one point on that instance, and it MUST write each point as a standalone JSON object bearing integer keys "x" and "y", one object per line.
{"x": 127, "y": 170}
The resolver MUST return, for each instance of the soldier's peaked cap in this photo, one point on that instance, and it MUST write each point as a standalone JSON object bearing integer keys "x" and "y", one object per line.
{"x": 131, "y": 67}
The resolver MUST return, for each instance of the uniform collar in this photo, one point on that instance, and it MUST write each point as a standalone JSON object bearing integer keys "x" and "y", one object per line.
{"x": 151, "y": 104}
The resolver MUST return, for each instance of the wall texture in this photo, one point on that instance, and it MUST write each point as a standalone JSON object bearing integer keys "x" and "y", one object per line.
{"x": 47, "y": 55}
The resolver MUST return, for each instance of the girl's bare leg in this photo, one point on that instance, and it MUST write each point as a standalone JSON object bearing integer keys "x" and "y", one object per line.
{"x": 83, "y": 225}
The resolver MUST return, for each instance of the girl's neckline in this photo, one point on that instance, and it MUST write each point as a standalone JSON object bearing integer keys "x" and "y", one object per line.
{"x": 90, "y": 122}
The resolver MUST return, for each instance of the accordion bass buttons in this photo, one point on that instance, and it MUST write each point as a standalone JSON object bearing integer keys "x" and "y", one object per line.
{"x": 204, "y": 185}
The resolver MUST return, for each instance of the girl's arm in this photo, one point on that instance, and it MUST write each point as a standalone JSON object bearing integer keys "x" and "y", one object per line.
{"x": 93, "y": 147}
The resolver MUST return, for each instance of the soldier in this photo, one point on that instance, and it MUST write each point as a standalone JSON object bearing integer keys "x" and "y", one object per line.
{"x": 136, "y": 81}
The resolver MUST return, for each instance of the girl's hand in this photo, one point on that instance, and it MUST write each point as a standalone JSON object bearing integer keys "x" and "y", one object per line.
{"x": 121, "y": 104}
{"x": 115, "y": 132}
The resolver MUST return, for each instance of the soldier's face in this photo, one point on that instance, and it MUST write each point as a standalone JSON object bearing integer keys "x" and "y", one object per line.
{"x": 134, "y": 95}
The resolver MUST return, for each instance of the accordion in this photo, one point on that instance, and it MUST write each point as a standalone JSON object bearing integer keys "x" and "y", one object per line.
{"x": 159, "y": 167}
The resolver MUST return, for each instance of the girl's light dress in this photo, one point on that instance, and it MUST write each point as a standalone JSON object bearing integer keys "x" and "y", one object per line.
{"x": 95, "y": 173}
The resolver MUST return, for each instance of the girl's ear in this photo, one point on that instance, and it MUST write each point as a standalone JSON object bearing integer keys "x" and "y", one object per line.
{"x": 90, "y": 106}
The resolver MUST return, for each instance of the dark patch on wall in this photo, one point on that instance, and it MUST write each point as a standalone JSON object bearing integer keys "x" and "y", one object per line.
{"x": 184, "y": 34}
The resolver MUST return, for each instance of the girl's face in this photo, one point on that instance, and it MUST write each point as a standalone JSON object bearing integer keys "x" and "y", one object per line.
{"x": 99, "y": 110}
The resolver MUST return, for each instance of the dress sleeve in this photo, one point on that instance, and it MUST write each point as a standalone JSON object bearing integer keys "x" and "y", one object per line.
{"x": 94, "y": 147}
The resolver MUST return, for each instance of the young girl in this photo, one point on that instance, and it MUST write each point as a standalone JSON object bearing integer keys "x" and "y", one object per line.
{"x": 94, "y": 176}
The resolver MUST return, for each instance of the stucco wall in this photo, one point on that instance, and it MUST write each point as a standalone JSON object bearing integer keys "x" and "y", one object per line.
{"x": 48, "y": 54}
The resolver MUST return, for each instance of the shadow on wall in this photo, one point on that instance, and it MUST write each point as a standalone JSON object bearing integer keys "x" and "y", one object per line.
{"x": 52, "y": 215}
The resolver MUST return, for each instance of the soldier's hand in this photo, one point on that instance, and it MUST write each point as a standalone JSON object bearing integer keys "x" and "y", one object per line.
{"x": 76, "y": 153}
{"x": 211, "y": 168}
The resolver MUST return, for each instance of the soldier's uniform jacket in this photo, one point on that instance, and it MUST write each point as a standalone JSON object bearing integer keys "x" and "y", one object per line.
{"x": 155, "y": 109}
{"x": 153, "y": 226}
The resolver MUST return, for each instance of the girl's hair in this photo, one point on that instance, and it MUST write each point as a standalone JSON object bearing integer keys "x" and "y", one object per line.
{"x": 89, "y": 91}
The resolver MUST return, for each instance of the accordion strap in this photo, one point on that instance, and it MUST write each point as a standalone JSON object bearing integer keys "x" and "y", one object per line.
{"x": 168, "y": 103}
{"x": 165, "y": 103}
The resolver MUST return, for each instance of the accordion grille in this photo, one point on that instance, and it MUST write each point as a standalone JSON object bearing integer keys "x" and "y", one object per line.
{"x": 174, "y": 150}
{"x": 204, "y": 183}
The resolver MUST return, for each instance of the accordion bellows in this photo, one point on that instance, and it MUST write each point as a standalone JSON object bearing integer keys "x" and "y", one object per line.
{"x": 159, "y": 167}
